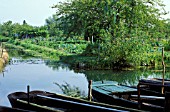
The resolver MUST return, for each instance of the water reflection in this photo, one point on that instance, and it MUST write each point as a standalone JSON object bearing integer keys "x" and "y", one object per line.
{"x": 1, "y": 67}
{"x": 15, "y": 61}
{"x": 40, "y": 75}
{"x": 55, "y": 65}
{"x": 125, "y": 77}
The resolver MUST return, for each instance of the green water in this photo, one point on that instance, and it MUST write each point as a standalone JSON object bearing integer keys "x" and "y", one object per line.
{"x": 130, "y": 77}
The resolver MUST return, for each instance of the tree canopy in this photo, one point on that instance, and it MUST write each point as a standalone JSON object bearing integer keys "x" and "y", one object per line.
{"x": 117, "y": 18}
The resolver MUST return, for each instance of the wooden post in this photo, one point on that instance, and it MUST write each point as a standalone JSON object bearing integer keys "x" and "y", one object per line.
{"x": 167, "y": 102}
{"x": 90, "y": 91}
{"x": 163, "y": 73}
{"x": 28, "y": 92}
{"x": 139, "y": 101}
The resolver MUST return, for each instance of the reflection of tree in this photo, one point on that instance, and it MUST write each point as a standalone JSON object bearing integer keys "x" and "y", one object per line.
{"x": 17, "y": 53}
{"x": 1, "y": 66}
{"x": 71, "y": 91}
{"x": 56, "y": 65}
{"x": 123, "y": 77}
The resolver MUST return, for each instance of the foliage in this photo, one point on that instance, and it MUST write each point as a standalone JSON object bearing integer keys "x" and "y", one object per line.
{"x": 122, "y": 30}
{"x": 4, "y": 39}
{"x": 119, "y": 18}
{"x": 51, "y": 24}
{"x": 16, "y": 30}
{"x": 69, "y": 46}
{"x": 70, "y": 91}
{"x": 128, "y": 52}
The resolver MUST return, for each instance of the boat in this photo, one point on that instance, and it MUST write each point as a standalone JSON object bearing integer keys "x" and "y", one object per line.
{"x": 111, "y": 92}
{"x": 9, "y": 109}
{"x": 52, "y": 102}
{"x": 155, "y": 85}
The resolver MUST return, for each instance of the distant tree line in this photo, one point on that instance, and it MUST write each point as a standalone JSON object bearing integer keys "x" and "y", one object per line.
{"x": 17, "y": 30}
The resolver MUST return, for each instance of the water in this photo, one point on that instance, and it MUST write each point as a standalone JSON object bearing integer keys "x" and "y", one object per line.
{"x": 39, "y": 75}
{"x": 126, "y": 77}
{"x": 42, "y": 75}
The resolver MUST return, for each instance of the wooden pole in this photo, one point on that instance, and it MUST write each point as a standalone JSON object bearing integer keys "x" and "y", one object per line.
{"x": 139, "y": 100}
{"x": 28, "y": 94}
{"x": 163, "y": 73}
{"x": 90, "y": 91}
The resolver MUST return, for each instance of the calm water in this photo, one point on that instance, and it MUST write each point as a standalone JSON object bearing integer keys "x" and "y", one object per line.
{"x": 42, "y": 75}
{"x": 39, "y": 76}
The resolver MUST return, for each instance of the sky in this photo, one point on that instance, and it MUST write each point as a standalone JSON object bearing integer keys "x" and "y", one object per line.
{"x": 35, "y": 11}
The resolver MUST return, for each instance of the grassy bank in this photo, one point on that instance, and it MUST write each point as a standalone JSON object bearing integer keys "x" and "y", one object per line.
{"x": 44, "y": 48}
{"x": 83, "y": 55}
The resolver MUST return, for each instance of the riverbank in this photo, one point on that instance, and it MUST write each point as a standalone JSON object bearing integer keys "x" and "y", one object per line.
{"x": 80, "y": 54}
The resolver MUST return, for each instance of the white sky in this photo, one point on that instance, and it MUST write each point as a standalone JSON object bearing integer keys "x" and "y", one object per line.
{"x": 167, "y": 8}
{"x": 34, "y": 11}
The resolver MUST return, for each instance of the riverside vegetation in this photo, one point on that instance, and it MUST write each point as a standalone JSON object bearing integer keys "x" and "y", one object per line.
{"x": 96, "y": 34}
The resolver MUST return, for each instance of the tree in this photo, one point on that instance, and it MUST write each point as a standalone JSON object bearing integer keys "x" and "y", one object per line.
{"x": 6, "y": 28}
{"x": 51, "y": 24}
{"x": 118, "y": 18}
{"x": 124, "y": 27}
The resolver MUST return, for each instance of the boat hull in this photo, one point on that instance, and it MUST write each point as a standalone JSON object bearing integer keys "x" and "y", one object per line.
{"x": 121, "y": 97}
{"x": 59, "y": 102}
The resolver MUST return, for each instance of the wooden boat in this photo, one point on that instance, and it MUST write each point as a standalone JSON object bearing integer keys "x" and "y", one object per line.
{"x": 45, "y": 101}
{"x": 9, "y": 109}
{"x": 155, "y": 85}
{"x": 112, "y": 93}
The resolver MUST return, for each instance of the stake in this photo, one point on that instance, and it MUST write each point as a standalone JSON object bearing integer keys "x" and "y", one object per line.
{"x": 28, "y": 91}
{"x": 163, "y": 65}
{"x": 90, "y": 91}
{"x": 139, "y": 100}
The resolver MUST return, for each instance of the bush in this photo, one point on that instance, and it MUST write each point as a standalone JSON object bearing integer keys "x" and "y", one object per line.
{"x": 167, "y": 45}
{"x": 5, "y": 39}
{"x": 127, "y": 52}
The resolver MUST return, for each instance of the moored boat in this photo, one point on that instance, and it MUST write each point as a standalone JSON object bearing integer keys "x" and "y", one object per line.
{"x": 112, "y": 93}
{"x": 46, "y": 101}
{"x": 9, "y": 109}
{"x": 156, "y": 85}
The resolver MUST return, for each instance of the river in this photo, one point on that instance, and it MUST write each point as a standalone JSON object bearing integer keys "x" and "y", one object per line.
{"x": 48, "y": 75}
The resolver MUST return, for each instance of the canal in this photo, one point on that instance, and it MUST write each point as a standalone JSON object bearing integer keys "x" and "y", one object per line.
{"x": 50, "y": 76}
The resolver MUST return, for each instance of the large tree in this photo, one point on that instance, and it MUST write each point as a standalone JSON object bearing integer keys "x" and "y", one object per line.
{"x": 118, "y": 18}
